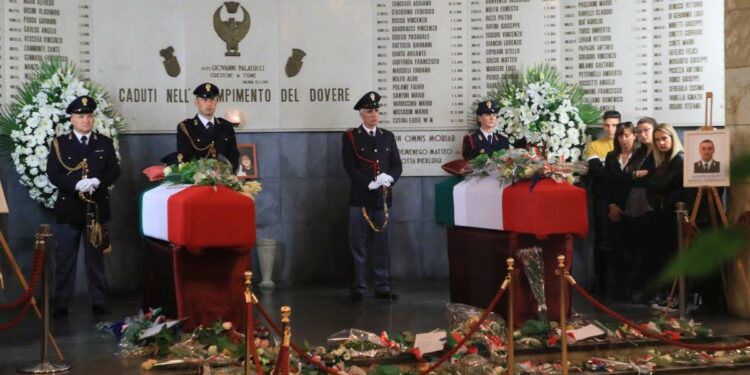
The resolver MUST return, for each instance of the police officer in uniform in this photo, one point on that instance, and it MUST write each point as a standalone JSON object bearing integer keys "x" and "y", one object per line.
{"x": 206, "y": 135}
{"x": 82, "y": 165}
{"x": 484, "y": 140}
{"x": 373, "y": 164}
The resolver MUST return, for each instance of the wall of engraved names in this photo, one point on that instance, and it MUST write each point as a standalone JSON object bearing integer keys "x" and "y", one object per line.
{"x": 299, "y": 65}
{"x": 35, "y": 30}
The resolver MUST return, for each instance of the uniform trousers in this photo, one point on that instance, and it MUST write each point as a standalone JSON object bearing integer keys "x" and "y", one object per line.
{"x": 68, "y": 242}
{"x": 362, "y": 237}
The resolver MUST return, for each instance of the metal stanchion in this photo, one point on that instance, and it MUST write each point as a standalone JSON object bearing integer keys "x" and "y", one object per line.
{"x": 251, "y": 353}
{"x": 681, "y": 211}
{"x": 563, "y": 318}
{"x": 282, "y": 363}
{"x": 45, "y": 367}
{"x": 508, "y": 286}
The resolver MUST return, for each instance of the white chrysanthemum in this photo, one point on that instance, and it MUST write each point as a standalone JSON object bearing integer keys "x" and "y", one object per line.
{"x": 43, "y": 119}
{"x": 41, "y": 151}
{"x": 33, "y": 161}
{"x": 574, "y": 134}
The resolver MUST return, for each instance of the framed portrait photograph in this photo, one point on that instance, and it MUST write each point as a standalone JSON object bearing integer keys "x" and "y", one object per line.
{"x": 706, "y": 158}
{"x": 248, "y": 168}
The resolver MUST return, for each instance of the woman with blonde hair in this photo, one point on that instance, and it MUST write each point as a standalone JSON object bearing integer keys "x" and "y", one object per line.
{"x": 664, "y": 191}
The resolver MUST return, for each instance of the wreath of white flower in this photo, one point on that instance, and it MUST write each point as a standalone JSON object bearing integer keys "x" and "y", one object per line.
{"x": 545, "y": 111}
{"x": 38, "y": 116}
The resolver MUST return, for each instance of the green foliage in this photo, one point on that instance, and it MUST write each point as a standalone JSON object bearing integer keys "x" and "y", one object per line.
{"x": 707, "y": 254}
{"x": 164, "y": 340}
{"x": 535, "y": 328}
{"x": 588, "y": 113}
{"x": 216, "y": 335}
{"x": 740, "y": 168}
{"x": 479, "y": 161}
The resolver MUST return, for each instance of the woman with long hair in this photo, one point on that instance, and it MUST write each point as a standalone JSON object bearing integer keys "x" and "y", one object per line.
{"x": 664, "y": 191}
{"x": 618, "y": 166}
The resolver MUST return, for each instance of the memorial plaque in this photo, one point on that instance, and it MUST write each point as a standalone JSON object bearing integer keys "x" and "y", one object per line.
{"x": 299, "y": 65}
{"x": 36, "y": 30}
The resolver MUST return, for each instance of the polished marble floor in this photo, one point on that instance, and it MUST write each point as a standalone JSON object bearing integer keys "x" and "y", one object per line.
{"x": 318, "y": 311}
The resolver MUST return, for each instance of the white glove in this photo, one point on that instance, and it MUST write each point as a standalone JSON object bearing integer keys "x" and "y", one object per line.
{"x": 373, "y": 185}
{"x": 88, "y": 185}
{"x": 82, "y": 185}
{"x": 384, "y": 179}
{"x": 95, "y": 182}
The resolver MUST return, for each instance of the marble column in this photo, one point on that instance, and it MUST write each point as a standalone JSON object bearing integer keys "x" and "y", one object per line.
{"x": 737, "y": 90}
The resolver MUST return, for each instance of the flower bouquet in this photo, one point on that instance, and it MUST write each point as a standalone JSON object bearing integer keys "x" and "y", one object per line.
{"x": 534, "y": 267}
{"x": 545, "y": 111}
{"x": 210, "y": 172}
{"x": 37, "y": 116}
{"x": 509, "y": 166}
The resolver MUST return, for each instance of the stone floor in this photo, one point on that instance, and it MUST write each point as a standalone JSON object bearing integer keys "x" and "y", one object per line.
{"x": 317, "y": 312}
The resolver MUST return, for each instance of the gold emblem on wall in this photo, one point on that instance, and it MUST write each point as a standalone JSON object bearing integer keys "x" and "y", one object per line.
{"x": 171, "y": 65}
{"x": 294, "y": 62}
{"x": 232, "y": 31}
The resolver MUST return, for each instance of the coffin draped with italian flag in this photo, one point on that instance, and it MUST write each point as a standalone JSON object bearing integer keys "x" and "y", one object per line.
{"x": 211, "y": 231}
{"x": 198, "y": 217}
{"x": 541, "y": 208}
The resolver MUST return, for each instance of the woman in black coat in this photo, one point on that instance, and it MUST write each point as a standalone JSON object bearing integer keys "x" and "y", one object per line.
{"x": 619, "y": 166}
{"x": 665, "y": 189}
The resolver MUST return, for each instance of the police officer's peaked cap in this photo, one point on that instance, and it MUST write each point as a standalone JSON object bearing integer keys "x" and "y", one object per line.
{"x": 81, "y": 104}
{"x": 206, "y": 90}
{"x": 487, "y": 106}
{"x": 369, "y": 100}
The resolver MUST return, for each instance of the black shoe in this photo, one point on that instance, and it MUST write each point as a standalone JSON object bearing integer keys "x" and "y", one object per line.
{"x": 100, "y": 310}
{"x": 60, "y": 312}
{"x": 387, "y": 295}
{"x": 356, "y": 297}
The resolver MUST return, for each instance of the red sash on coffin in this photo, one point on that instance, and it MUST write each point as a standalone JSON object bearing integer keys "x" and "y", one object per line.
{"x": 548, "y": 208}
{"x": 213, "y": 229}
{"x": 208, "y": 216}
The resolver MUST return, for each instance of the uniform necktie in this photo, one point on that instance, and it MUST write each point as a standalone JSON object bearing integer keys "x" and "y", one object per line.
{"x": 705, "y": 165}
{"x": 372, "y": 133}
{"x": 489, "y": 138}
{"x": 84, "y": 140}
{"x": 210, "y": 127}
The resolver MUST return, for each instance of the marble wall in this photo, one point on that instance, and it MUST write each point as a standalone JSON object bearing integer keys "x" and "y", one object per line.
{"x": 737, "y": 57}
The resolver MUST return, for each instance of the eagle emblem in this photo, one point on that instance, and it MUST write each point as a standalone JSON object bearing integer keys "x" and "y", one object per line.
{"x": 232, "y": 31}
{"x": 85, "y": 101}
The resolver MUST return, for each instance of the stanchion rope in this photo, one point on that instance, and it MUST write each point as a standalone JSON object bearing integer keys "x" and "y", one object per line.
{"x": 472, "y": 331}
{"x": 294, "y": 346}
{"x": 652, "y": 335}
{"x": 36, "y": 272}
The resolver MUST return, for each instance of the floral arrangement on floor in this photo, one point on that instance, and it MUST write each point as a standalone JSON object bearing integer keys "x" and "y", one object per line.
{"x": 210, "y": 172}
{"x": 539, "y": 107}
{"x": 219, "y": 348}
{"x": 509, "y": 166}
{"x": 37, "y": 116}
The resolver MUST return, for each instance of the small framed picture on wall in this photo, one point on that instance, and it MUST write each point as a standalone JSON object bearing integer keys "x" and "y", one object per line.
{"x": 248, "y": 168}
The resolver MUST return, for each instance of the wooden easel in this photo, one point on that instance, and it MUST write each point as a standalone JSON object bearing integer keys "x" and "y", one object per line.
{"x": 17, "y": 270}
{"x": 712, "y": 196}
